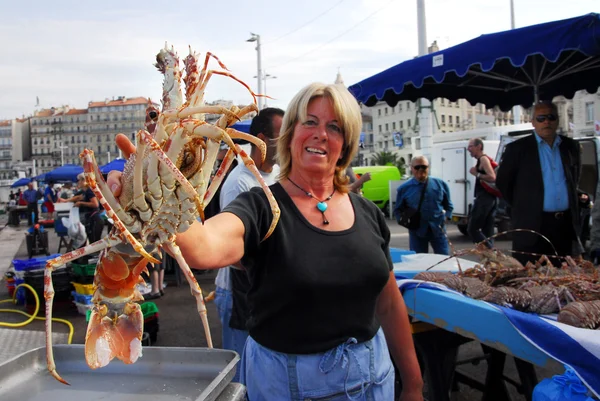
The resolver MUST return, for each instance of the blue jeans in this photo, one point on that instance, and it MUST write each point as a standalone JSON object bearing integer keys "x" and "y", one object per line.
{"x": 351, "y": 371}
{"x": 233, "y": 339}
{"x": 438, "y": 241}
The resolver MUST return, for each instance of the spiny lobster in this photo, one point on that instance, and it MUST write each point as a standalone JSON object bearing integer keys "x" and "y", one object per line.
{"x": 165, "y": 189}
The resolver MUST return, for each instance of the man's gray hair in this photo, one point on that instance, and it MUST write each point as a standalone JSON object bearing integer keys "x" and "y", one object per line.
{"x": 418, "y": 158}
{"x": 552, "y": 106}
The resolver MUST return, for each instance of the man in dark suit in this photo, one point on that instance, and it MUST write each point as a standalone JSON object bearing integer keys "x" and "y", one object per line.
{"x": 538, "y": 177}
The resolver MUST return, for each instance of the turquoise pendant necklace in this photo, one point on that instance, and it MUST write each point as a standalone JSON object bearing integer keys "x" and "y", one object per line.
{"x": 321, "y": 205}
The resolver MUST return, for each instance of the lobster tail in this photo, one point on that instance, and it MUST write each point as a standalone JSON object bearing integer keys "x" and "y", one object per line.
{"x": 119, "y": 337}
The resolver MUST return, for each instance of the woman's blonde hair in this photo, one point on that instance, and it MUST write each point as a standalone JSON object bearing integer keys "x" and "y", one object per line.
{"x": 347, "y": 112}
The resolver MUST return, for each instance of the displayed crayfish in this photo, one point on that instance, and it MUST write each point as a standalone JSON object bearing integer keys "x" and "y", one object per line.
{"x": 572, "y": 289}
{"x": 165, "y": 189}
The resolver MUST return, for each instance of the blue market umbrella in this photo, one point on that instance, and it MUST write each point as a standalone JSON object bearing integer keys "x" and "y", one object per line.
{"x": 64, "y": 173}
{"x": 116, "y": 164}
{"x": 243, "y": 126}
{"x": 21, "y": 182}
{"x": 504, "y": 69}
{"x": 41, "y": 177}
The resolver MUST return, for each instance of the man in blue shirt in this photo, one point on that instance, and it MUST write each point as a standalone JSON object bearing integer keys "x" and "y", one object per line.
{"x": 538, "y": 177}
{"x": 435, "y": 208}
{"x": 31, "y": 196}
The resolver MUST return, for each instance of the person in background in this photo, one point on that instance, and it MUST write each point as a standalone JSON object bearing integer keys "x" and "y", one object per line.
{"x": 232, "y": 284}
{"x": 89, "y": 209}
{"x": 435, "y": 208}
{"x": 356, "y": 183}
{"x": 157, "y": 277}
{"x": 322, "y": 287}
{"x": 50, "y": 197}
{"x": 213, "y": 206}
{"x": 538, "y": 178}
{"x": 31, "y": 196}
{"x": 483, "y": 212}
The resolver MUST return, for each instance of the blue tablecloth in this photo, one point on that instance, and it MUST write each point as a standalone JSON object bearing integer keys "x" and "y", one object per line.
{"x": 574, "y": 347}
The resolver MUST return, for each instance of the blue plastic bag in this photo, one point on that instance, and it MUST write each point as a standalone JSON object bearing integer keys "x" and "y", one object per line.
{"x": 565, "y": 387}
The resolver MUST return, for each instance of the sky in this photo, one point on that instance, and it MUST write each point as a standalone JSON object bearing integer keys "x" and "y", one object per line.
{"x": 73, "y": 52}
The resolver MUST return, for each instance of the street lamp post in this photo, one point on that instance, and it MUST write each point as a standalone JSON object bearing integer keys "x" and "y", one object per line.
{"x": 259, "y": 73}
{"x": 265, "y": 77}
{"x": 62, "y": 154}
{"x": 268, "y": 76}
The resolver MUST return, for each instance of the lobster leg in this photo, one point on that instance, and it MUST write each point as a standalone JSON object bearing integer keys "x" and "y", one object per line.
{"x": 91, "y": 172}
{"x": 139, "y": 199}
{"x": 52, "y": 265}
{"x": 196, "y": 290}
{"x": 274, "y": 206}
{"x": 219, "y": 176}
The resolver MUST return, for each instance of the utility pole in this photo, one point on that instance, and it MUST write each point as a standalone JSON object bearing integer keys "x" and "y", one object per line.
{"x": 259, "y": 73}
{"x": 516, "y": 109}
{"x": 425, "y": 125}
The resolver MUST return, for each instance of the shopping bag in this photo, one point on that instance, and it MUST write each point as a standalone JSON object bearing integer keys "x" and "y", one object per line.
{"x": 565, "y": 387}
{"x": 75, "y": 228}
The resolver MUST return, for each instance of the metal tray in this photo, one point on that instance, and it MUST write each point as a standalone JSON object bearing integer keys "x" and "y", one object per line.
{"x": 161, "y": 374}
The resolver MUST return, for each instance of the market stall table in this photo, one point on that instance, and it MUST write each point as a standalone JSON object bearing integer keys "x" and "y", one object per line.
{"x": 442, "y": 321}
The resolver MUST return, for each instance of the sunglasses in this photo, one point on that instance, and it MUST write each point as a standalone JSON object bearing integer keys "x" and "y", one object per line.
{"x": 542, "y": 117}
{"x": 421, "y": 167}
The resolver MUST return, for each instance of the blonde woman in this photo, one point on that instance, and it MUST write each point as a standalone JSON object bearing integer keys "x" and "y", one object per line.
{"x": 322, "y": 288}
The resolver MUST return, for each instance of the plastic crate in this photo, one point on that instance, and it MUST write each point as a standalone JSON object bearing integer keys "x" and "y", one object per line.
{"x": 397, "y": 254}
{"x": 84, "y": 289}
{"x": 83, "y": 270}
{"x": 83, "y": 308}
{"x": 82, "y": 299}
{"x": 149, "y": 310}
{"x": 33, "y": 263}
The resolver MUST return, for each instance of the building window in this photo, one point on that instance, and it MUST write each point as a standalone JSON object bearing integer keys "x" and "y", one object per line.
{"x": 443, "y": 101}
{"x": 443, "y": 119}
{"x": 407, "y": 106}
{"x": 386, "y": 111}
{"x": 450, "y": 120}
{"x": 387, "y": 127}
{"x": 394, "y": 126}
{"x": 399, "y": 106}
{"x": 379, "y": 112}
{"x": 457, "y": 120}
{"x": 380, "y": 127}
{"x": 408, "y": 124}
{"x": 401, "y": 124}
{"x": 589, "y": 112}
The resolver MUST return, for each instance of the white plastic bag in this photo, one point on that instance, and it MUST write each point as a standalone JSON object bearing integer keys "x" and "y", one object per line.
{"x": 75, "y": 229}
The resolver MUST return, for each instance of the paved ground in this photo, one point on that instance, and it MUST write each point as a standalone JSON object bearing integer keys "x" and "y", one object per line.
{"x": 180, "y": 325}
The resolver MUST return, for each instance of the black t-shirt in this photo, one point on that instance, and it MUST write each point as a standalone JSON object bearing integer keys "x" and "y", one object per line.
{"x": 311, "y": 289}
{"x": 88, "y": 194}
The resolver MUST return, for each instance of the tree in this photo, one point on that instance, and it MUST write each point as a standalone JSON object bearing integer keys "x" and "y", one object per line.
{"x": 385, "y": 158}
{"x": 401, "y": 164}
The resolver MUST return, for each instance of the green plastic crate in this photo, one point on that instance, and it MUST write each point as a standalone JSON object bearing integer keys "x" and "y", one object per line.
{"x": 149, "y": 309}
{"x": 83, "y": 270}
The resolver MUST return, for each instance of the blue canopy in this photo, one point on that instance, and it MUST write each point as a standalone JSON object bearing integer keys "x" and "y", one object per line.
{"x": 41, "y": 177}
{"x": 21, "y": 182}
{"x": 116, "y": 164}
{"x": 243, "y": 126}
{"x": 64, "y": 173}
{"x": 502, "y": 69}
